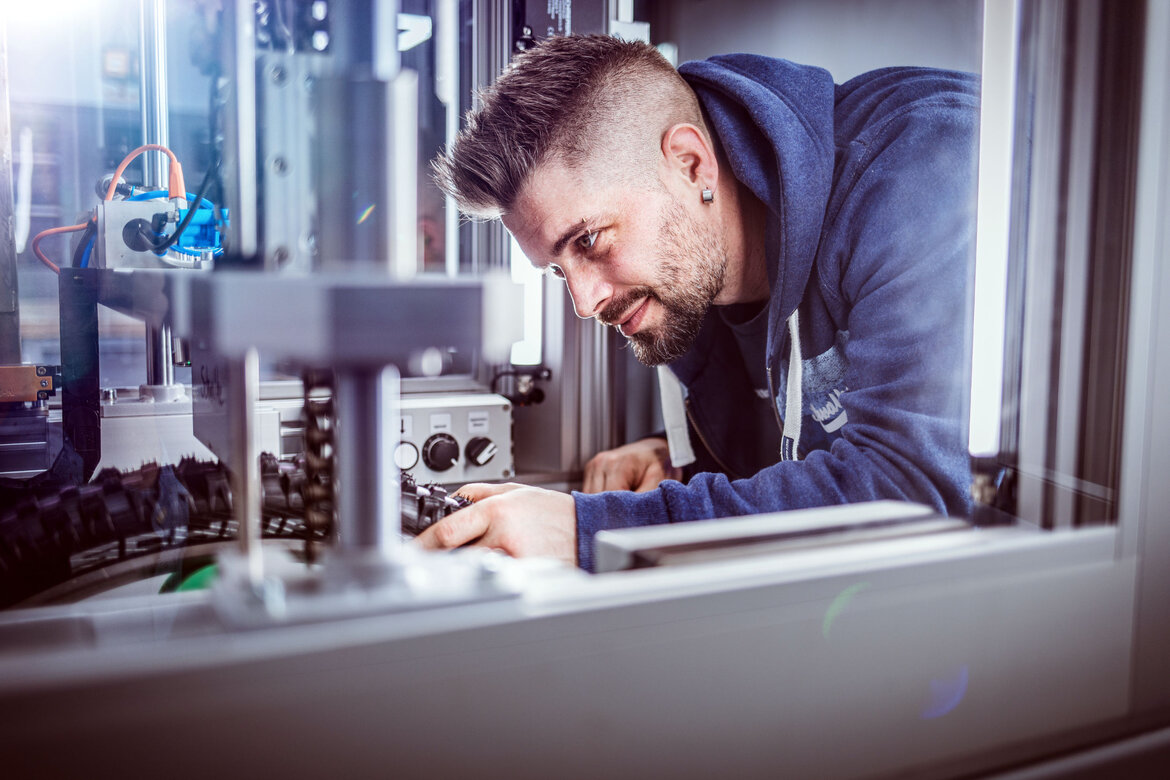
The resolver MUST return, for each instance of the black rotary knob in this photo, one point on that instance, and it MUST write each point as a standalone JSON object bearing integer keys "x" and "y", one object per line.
{"x": 480, "y": 450}
{"x": 440, "y": 452}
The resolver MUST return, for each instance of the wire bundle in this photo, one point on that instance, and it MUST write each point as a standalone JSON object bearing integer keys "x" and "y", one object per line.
{"x": 176, "y": 190}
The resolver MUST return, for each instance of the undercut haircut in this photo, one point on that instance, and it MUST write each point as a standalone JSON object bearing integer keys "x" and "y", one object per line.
{"x": 585, "y": 101}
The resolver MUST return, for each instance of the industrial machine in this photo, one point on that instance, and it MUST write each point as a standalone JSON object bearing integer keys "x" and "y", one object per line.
{"x": 211, "y": 567}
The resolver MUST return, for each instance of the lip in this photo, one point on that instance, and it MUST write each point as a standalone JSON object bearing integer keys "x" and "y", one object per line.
{"x": 630, "y": 324}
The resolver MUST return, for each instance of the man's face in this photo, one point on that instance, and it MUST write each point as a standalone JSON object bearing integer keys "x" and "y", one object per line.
{"x": 636, "y": 259}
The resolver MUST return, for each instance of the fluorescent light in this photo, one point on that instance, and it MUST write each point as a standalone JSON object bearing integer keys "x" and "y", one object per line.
{"x": 995, "y": 175}
{"x": 528, "y": 351}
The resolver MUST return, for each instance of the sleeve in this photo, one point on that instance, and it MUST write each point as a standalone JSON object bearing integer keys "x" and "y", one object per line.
{"x": 901, "y": 243}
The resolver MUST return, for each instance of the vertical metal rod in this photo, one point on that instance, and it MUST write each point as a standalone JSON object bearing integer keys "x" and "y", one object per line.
{"x": 402, "y": 172}
{"x": 152, "y": 98}
{"x": 152, "y": 45}
{"x": 9, "y": 299}
{"x": 365, "y": 479}
{"x": 160, "y": 364}
{"x": 386, "y": 434}
{"x": 240, "y": 147}
{"x": 245, "y": 465}
{"x": 447, "y": 90}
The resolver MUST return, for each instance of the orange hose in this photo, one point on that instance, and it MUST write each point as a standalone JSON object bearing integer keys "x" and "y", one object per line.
{"x": 36, "y": 242}
{"x": 176, "y": 187}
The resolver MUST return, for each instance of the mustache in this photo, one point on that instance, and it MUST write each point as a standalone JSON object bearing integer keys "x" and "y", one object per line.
{"x": 618, "y": 308}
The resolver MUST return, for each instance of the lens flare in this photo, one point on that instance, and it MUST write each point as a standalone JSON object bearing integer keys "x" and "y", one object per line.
{"x": 839, "y": 604}
{"x": 946, "y": 693}
{"x": 366, "y": 214}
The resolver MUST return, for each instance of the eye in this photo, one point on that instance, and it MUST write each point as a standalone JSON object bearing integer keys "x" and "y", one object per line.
{"x": 588, "y": 240}
{"x": 556, "y": 271}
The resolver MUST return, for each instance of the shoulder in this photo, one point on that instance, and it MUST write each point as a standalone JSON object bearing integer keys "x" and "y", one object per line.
{"x": 891, "y": 101}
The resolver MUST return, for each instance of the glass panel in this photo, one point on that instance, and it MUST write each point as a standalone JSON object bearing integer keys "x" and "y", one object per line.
{"x": 429, "y": 43}
{"x": 997, "y": 120}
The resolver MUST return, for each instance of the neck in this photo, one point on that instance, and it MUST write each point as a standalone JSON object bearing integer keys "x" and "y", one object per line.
{"x": 746, "y": 276}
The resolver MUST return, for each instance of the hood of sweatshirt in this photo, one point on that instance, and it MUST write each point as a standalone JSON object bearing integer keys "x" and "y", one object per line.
{"x": 757, "y": 107}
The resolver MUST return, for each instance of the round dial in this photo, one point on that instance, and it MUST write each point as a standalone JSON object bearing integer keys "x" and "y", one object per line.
{"x": 440, "y": 452}
{"x": 480, "y": 450}
{"x": 405, "y": 456}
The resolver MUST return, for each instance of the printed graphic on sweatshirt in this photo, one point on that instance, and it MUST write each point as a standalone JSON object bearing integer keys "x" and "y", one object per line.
{"x": 832, "y": 415}
{"x": 822, "y": 385}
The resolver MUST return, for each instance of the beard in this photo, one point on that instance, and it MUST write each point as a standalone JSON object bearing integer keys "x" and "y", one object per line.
{"x": 691, "y": 262}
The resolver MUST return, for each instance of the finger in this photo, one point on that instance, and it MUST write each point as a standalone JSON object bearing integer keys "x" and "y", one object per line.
{"x": 650, "y": 480}
{"x": 625, "y": 477}
{"x": 654, "y": 475}
{"x": 594, "y": 478}
{"x": 474, "y": 491}
{"x": 455, "y": 530}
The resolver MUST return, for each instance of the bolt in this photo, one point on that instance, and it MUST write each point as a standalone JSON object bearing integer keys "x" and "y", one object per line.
{"x": 279, "y": 75}
{"x": 41, "y": 371}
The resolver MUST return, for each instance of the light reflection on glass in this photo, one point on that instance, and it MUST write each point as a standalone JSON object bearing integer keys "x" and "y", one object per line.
{"x": 946, "y": 693}
{"x": 839, "y": 604}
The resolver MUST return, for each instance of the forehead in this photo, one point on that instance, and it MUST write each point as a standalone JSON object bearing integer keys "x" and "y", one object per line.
{"x": 557, "y": 199}
{"x": 553, "y": 194}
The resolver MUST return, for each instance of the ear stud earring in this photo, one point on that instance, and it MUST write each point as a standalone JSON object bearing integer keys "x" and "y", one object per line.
{"x": 708, "y": 195}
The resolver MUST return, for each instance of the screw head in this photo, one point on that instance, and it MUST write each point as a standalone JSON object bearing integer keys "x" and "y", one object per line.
{"x": 279, "y": 75}
{"x": 44, "y": 383}
{"x": 280, "y": 165}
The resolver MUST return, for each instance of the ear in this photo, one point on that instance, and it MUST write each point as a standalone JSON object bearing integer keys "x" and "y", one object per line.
{"x": 689, "y": 156}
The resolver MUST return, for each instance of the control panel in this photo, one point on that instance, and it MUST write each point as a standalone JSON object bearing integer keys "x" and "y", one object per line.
{"x": 455, "y": 438}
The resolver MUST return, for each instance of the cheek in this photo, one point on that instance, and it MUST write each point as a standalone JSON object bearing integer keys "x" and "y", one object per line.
{"x": 635, "y": 263}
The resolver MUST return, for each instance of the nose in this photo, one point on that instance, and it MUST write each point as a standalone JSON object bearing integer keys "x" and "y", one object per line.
{"x": 589, "y": 290}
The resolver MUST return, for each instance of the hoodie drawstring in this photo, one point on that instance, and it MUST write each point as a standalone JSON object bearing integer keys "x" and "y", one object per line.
{"x": 792, "y": 400}
{"x": 674, "y": 417}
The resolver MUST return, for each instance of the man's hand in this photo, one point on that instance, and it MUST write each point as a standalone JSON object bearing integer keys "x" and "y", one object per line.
{"x": 520, "y": 520}
{"x": 638, "y": 466}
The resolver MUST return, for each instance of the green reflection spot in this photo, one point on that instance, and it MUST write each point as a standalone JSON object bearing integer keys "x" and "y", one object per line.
{"x": 200, "y": 579}
{"x": 839, "y": 604}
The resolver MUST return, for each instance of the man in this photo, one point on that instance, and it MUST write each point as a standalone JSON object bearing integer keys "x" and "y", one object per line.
{"x": 798, "y": 253}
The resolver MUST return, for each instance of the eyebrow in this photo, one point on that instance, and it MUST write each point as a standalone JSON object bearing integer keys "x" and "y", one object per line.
{"x": 567, "y": 236}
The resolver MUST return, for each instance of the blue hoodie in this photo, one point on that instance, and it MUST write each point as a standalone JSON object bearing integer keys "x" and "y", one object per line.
{"x": 870, "y": 188}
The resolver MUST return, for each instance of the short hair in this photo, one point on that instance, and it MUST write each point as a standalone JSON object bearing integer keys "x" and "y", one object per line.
{"x": 567, "y": 98}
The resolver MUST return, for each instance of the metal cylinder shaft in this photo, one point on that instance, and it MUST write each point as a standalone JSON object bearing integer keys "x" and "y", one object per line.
{"x": 245, "y": 463}
{"x": 365, "y": 477}
{"x": 160, "y": 365}
{"x": 152, "y": 44}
